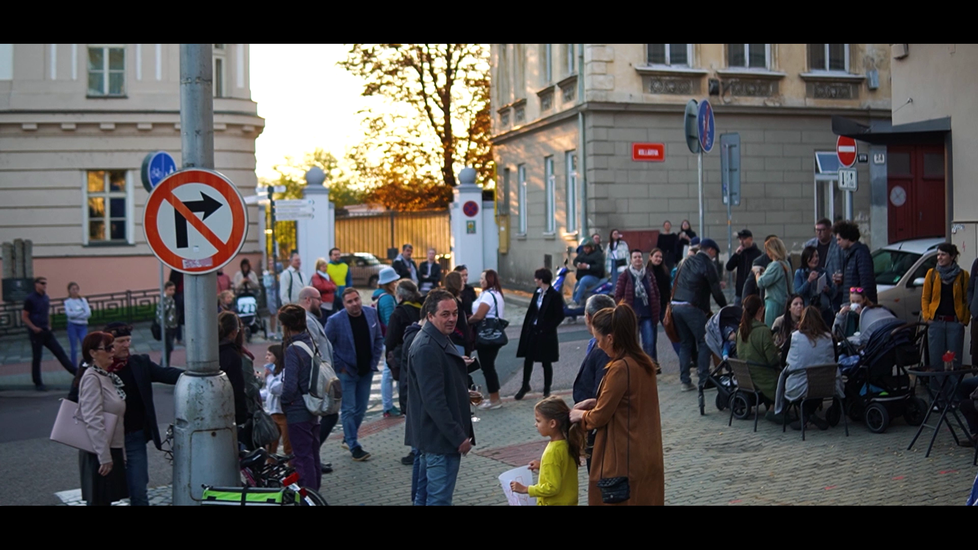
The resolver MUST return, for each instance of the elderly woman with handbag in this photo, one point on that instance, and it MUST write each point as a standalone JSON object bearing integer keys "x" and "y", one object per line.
{"x": 625, "y": 411}
{"x": 100, "y": 394}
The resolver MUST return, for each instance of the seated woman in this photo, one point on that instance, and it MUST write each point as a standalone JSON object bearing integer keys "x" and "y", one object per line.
{"x": 847, "y": 320}
{"x": 755, "y": 344}
{"x": 811, "y": 345}
{"x": 787, "y": 323}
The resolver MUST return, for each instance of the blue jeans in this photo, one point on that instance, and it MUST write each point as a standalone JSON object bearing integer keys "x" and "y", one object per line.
{"x": 76, "y": 333}
{"x": 649, "y": 331}
{"x": 586, "y": 284}
{"x": 436, "y": 478}
{"x": 137, "y": 468}
{"x": 417, "y": 475}
{"x": 356, "y": 394}
{"x": 691, "y": 325}
{"x": 386, "y": 383}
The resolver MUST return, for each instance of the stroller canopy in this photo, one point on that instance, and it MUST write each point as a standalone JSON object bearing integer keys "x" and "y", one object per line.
{"x": 727, "y": 317}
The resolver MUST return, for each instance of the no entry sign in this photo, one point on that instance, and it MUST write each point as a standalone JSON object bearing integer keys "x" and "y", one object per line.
{"x": 195, "y": 221}
{"x": 845, "y": 147}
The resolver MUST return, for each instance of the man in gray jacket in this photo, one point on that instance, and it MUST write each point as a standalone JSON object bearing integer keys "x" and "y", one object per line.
{"x": 439, "y": 425}
{"x": 311, "y": 300}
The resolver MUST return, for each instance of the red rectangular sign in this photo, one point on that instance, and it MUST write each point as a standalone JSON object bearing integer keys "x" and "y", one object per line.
{"x": 655, "y": 152}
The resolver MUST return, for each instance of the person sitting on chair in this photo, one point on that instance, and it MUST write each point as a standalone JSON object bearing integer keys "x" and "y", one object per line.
{"x": 811, "y": 345}
{"x": 755, "y": 345}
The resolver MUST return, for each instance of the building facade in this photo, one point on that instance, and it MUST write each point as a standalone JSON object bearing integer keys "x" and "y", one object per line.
{"x": 569, "y": 117}
{"x": 76, "y": 121}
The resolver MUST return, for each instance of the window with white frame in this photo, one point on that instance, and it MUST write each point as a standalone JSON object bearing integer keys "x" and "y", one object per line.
{"x": 107, "y": 70}
{"x": 673, "y": 55}
{"x": 549, "y": 200}
{"x": 220, "y": 70}
{"x": 570, "y": 158}
{"x": 828, "y": 57}
{"x": 548, "y": 63}
{"x": 570, "y": 53}
{"x": 521, "y": 196}
{"x": 107, "y": 207}
{"x": 748, "y": 56}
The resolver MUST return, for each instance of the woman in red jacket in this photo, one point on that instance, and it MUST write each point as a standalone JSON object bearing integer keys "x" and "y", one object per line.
{"x": 637, "y": 287}
{"x": 326, "y": 287}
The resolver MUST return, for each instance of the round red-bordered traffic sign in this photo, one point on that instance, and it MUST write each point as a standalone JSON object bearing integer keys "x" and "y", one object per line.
{"x": 189, "y": 243}
{"x": 470, "y": 208}
{"x": 845, "y": 148}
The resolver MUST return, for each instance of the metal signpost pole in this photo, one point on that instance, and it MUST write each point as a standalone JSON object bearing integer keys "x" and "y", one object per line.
{"x": 274, "y": 252}
{"x": 699, "y": 164}
{"x": 204, "y": 402}
{"x": 162, "y": 316}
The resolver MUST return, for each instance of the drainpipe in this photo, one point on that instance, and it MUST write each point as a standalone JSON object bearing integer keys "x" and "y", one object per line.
{"x": 582, "y": 159}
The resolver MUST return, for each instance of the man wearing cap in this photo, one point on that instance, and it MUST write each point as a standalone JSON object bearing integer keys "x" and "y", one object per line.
{"x": 741, "y": 260}
{"x": 37, "y": 306}
{"x": 590, "y": 270}
{"x": 696, "y": 280}
{"x": 138, "y": 373}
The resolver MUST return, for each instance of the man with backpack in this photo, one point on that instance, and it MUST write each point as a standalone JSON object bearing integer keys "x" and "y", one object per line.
{"x": 310, "y": 300}
{"x": 358, "y": 344}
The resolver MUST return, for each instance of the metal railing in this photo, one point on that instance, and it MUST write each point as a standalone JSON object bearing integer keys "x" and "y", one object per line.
{"x": 129, "y": 306}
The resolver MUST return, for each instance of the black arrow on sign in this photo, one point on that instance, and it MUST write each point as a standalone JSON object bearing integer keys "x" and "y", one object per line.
{"x": 206, "y": 204}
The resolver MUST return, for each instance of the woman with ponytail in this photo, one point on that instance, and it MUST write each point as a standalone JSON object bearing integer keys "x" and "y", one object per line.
{"x": 557, "y": 485}
{"x": 628, "y": 442}
{"x": 755, "y": 344}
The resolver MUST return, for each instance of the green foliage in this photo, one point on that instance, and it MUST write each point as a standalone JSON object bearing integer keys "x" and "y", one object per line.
{"x": 438, "y": 120}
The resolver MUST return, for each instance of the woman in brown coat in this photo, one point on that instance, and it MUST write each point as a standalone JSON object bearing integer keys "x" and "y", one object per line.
{"x": 625, "y": 414}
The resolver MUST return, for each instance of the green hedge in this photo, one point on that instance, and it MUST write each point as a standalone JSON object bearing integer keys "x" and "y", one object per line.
{"x": 139, "y": 313}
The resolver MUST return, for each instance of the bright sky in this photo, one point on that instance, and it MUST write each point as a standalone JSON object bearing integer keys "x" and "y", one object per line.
{"x": 307, "y": 101}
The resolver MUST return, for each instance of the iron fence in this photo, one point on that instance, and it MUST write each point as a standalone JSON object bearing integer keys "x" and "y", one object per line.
{"x": 129, "y": 306}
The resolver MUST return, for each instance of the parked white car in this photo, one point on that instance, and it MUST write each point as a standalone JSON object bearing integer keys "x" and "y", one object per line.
{"x": 900, "y": 269}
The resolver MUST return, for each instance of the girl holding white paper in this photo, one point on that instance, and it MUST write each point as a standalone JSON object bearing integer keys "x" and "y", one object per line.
{"x": 557, "y": 485}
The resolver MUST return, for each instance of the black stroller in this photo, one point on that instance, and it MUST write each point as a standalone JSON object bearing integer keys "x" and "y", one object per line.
{"x": 246, "y": 304}
{"x": 719, "y": 329}
{"x": 878, "y": 387}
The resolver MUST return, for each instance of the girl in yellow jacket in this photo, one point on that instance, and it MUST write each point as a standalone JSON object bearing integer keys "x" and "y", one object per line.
{"x": 944, "y": 306}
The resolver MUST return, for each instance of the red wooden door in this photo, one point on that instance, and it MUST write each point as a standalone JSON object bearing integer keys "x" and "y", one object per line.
{"x": 915, "y": 192}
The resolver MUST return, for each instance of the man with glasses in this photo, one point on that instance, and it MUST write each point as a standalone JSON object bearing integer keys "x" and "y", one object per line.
{"x": 35, "y": 315}
{"x": 829, "y": 253}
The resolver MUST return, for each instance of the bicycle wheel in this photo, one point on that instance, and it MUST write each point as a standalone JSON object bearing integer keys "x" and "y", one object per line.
{"x": 316, "y": 498}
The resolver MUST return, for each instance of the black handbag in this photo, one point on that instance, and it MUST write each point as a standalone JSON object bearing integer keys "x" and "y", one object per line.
{"x": 492, "y": 330}
{"x": 156, "y": 330}
{"x": 616, "y": 489}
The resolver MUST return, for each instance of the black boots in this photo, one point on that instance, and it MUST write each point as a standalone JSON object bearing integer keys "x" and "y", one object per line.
{"x": 523, "y": 391}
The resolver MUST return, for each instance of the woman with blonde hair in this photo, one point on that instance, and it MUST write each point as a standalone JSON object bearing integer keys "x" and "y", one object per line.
{"x": 326, "y": 287}
{"x": 775, "y": 280}
{"x": 625, "y": 411}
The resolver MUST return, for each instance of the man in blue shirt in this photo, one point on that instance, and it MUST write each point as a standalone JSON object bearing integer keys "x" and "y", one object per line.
{"x": 37, "y": 307}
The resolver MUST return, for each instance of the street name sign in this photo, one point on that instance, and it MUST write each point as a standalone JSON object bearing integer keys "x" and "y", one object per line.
{"x": 845, "y": 147}
{"x": 651, "y": 152}
{"x": 195, "y": 221}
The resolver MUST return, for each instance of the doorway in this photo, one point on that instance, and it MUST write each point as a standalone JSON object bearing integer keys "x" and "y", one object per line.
{"x": 915, "y": 192}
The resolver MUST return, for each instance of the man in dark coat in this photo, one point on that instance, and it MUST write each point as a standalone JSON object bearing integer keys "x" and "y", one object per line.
{"x": 138, "y": 374}
{"x": 439, "y": 424}
{"x": 741, "y": 260}
{"x": 404, "y": 265}
{"x": 538, "y": 338}
{"x": 696, "y": 281}
{"x": 857, "y": 262}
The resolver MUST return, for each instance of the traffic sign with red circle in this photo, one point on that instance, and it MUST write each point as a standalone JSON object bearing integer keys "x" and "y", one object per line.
{"x": 187, "y": 242}
{"x": 470, "y": 208}
{"x": 845, "y": 148}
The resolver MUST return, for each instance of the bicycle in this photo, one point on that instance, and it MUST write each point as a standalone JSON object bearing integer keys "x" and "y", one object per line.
{"x": 257, "y": 471}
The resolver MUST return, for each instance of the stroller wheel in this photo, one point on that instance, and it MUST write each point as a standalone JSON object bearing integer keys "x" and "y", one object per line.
{"x": 833, "y": 414}
{"x": 723, "y": 399}
{"x": 740, "y": 403}
{"x": 915, "y": 411}
{"x": 877, "y": 418}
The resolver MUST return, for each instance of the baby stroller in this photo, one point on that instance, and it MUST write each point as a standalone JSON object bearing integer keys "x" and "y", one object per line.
{"x": 721, "y": 338}
{"x": 246, "y": 304}
{"x": 877, "y": 386}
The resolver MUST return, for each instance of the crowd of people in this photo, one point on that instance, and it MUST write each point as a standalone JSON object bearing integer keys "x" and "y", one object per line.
{"x": 428, "y": 332}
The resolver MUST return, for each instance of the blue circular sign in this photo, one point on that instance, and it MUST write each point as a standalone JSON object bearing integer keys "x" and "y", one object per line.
{"x": 156, "y": 167}
{"x": 705, "y": 126}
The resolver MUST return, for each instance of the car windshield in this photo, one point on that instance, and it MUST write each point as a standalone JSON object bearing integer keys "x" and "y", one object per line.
{"x": 889, "y": 266}
{"x": 370, "y": 259}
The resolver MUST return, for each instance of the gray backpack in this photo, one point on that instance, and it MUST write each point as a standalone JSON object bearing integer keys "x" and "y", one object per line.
{"x": 325, "y": 392}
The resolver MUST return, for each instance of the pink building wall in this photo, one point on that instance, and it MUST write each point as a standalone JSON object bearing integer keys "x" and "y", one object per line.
{"x": 105, "y": 274}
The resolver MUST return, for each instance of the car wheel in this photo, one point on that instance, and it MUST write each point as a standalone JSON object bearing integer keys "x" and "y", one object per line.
{"x": 372, "y": 283}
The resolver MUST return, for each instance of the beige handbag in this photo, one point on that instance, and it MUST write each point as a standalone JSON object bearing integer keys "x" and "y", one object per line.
{"x": 69, "y": 428}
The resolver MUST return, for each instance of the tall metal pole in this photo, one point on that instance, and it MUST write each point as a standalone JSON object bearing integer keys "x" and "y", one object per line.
{"x": 699, "y": 162}
{"x": 162, "y": 318}
{"x": 204, "y": 402}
